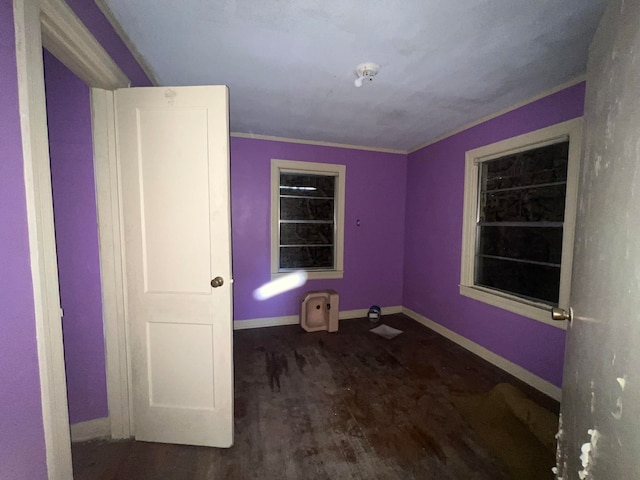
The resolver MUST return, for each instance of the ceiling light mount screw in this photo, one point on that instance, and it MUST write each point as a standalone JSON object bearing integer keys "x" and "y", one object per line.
{"x": 365, "y": 72}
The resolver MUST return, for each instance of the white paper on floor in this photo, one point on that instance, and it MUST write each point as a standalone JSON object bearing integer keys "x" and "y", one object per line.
{"x": 386, "y": 331}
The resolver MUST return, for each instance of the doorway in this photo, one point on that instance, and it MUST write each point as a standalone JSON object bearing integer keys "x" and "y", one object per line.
{"x": 75, "y": 218}
{"x": 54, "y": 25}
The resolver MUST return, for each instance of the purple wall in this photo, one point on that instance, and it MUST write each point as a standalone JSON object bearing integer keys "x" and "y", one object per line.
{"x": 22, "y": 451}
{"x": 72, "y": 177}
{"x": 433, "y": 238}
{"x": 69, "y": 112}
{"x": 373, "y": 251}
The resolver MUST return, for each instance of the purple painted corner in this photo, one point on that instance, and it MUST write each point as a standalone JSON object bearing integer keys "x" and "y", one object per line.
{"x": 22, "y": 447}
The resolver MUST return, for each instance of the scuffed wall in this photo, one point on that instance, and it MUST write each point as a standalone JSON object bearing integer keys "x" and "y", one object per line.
{"x": 599, "y": 438}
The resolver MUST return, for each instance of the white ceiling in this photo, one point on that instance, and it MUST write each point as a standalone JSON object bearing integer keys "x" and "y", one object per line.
{"x": 290, "y": 64}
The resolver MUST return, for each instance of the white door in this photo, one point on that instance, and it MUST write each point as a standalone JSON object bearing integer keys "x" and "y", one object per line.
{"x": 173, "y": 151}
{"x": 599, "y": 436}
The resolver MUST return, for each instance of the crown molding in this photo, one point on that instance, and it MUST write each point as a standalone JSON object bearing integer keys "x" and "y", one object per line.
{"x": 467, "y": 126}
{"x": 69, "y": 40}
{"x": 271, "y": 138}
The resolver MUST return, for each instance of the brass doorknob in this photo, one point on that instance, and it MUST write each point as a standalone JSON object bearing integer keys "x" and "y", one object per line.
{"x": 560, "y": 314}
{"x": 217, "y": 282}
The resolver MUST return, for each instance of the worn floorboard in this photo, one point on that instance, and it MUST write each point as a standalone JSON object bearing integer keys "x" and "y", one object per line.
{"x": 332, "y": 406}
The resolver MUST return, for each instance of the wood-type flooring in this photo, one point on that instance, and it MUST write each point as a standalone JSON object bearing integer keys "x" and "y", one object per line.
{"x": 345, "y": 405}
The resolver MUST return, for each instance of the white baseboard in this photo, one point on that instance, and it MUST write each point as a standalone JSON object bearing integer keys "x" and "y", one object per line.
{"x": 265, "y": 322}
{"x": 363, "y": 312}
{"x": 295, "y": 319}
{"x": 516, "y": 370}
{"x": 91, "y": 430}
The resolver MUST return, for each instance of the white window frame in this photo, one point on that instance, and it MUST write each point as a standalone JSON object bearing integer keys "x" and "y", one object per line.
{"x": 570, "y": 130}
{"x": 313, "y": 168}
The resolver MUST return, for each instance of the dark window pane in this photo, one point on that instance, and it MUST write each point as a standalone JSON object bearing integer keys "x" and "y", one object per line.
{"x": 306, "y": 234}
{"x": 307, "y": 221}
{"x": 536, "y": 204}
{"x": 540, "y": 244}
{"x": 521, "y": 213}
{"x": 307, "y": 185}
{"x": 306, "y": 209}
{"x": 523, "y": 279}
{"x": 306, "y": 257}
{"x": 533, "y": 167}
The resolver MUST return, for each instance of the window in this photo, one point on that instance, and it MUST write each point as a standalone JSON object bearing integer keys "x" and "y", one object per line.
{"x": 519, "y": 215}
{"x": 307, "y": 218}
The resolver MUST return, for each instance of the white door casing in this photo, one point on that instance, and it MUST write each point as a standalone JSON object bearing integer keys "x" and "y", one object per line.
{"x": 52, "y": 24}
{"x": 173, "y": 151}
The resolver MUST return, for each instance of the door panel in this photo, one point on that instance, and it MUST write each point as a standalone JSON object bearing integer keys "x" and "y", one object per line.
{"x": 173, "y": 152}
{"x": 173, "y": 350}
{"x": 167, "y": 226}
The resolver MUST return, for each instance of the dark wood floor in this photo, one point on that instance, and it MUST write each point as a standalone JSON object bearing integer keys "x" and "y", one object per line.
{"x": 332, "y": 406}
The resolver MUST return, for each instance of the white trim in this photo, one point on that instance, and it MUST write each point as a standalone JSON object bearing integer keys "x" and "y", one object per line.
{"x": 313, "y": 275}
{"x": 414, "y": 149}
{"x": 265, "y": 322}
{"x": 271, "y": 138}
{"x": 295, "y": 319}
{"x": 363, "y": 312}
{"x": 91, "y": 430}
{"x": 42, "y": 248}
{"x": 571, "y": 130}
{"x": 340, "y": 172}
{"x": 111, "y": 261}
{"x": 508, "y": 366}
{"x": 533, "y": 310}
{"x": 69, "y": 40}
{"x": 115, "y": 24}
{"x": 467, "y": 126}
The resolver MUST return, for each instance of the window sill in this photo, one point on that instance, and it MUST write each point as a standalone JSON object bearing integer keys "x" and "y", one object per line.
{"x": 313, "y": 275}
{"x": 535, "y": 311}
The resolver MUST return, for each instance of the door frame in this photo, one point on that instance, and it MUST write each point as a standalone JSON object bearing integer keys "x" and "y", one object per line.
{"x": 53, "y": 25}
{"x": 112, "y": 272}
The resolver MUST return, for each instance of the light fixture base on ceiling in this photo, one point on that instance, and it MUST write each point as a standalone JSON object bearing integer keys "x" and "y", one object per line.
{"x": 365, "y": 72}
